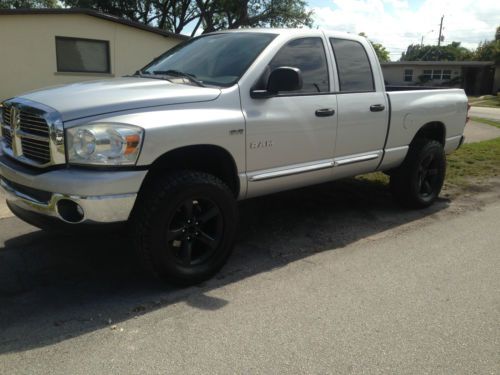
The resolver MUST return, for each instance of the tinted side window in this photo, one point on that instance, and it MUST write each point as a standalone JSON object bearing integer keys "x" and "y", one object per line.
{"x": 354, "y": 69}
{"x": 307, "y": 54}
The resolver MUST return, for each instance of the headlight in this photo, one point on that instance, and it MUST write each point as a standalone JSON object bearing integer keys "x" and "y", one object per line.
{"x": 104, "y": 144}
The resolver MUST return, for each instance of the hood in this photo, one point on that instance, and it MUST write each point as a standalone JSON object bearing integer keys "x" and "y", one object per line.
{"x": 98, "y": 97}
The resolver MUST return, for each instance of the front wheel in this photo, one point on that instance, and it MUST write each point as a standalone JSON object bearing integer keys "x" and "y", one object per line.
{"x": 186, "y": 229}
{"x": 418, "y": 181}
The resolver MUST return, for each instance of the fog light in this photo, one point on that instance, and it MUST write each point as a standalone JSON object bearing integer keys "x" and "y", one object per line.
{"x": 70, "y": 211}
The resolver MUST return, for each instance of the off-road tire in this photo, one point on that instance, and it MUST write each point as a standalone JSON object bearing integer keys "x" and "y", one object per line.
{"x": 162, "y": 205}
{"x": 418, "y": 181}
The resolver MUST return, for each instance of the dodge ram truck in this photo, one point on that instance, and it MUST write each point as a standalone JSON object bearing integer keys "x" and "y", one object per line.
{"x": 222, "y": 117}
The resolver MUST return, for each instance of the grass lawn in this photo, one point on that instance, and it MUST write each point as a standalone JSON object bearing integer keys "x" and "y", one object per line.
{"x": 473, "y": 162}
{"x": 486, "y": 121}
{"x": 485, "y": 101}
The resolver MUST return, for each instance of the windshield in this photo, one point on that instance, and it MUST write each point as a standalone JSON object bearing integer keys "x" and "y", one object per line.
{"x": 217, "y": 59}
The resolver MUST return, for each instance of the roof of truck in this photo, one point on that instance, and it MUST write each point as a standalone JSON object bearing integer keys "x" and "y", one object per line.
{"x": 301, "y": 31}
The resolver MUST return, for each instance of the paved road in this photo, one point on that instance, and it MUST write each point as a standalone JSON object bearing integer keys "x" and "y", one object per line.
{"x": 485, "y": 112}
{"x": 329, "y": 279}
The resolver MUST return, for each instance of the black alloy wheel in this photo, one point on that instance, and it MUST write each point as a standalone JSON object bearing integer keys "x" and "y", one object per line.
{"x": 418, "y": 181}
{"x": 185, "y": 226}
{"x": 195, "y": 231}
{"x": 428, "y": 177}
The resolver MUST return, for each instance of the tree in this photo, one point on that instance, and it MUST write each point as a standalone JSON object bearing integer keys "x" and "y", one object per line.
{"x": 380, "y": 50}
{"x": 486, "y": 51}
{"x": 23, "y": 4}
{"x": 451, "y": 52}
{"x": 489, "y": 51}
{"x": 206, "y": 15}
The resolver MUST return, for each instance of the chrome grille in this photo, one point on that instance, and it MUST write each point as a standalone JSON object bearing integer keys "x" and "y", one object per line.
{"x": 33, "y": 124}
{"x": 6, "y": 116}
{"x": 6, "y": 133}
{"x": 35, "y": 149}
{"x": 32, "y": 133}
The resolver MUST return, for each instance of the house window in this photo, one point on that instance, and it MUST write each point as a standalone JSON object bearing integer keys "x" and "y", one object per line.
{"x": 436, "y": 74}
{"x": 408, "y": 75}
{"x": 82, "y": 55}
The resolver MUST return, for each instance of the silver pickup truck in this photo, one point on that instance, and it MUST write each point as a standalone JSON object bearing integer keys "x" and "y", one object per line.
{"x": 220, "y": 118}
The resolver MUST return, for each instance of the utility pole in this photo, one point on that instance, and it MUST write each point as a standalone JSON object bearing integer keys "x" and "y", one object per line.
{"x": 440, "y": 30}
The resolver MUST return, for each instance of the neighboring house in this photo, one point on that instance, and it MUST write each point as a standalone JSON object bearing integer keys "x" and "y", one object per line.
{"x": 475, "y": 77}
{"x": 47, "y": 47}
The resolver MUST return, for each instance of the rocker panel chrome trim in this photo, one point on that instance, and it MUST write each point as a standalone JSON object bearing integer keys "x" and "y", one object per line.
{"x": 355, "y": 159}
{"x": 291, "y": 171}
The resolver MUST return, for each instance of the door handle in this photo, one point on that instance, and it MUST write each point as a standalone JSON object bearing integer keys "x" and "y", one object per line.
{"x": 325, "y": 112}
{"x": 377, "y": 107}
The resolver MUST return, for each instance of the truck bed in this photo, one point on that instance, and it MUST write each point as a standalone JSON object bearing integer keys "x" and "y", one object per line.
{"x": 389, "y": 88}
{"x": 412, "y": 109}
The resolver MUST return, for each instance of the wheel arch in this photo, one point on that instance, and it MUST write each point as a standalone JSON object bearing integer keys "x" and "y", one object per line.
{"x": 435, "y": 130}
{"x": 208, "y": 158}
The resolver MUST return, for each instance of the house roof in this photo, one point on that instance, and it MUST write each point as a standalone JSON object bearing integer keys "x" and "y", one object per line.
{"x": 440, "y": 63}
{"x": 93, "y": 13}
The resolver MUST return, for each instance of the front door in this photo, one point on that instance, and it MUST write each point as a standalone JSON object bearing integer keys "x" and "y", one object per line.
{"x": 291, "y": 137}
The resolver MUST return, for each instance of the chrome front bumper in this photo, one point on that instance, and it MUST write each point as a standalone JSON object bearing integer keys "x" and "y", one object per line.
{"x": 95, "y": 209}
{"x": 97, "y": 196}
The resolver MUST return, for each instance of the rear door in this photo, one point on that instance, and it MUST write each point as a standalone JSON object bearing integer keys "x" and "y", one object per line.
{"x": 363, "y": 112}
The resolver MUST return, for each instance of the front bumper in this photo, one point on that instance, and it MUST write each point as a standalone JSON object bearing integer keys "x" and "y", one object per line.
{"x": 71, "y": 195}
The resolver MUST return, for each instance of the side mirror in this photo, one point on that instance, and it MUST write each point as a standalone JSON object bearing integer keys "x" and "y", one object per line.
{"x": 283, "y": 78}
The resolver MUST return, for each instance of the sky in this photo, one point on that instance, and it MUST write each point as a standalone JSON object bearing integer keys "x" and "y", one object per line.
{"x": 399, "y": 23}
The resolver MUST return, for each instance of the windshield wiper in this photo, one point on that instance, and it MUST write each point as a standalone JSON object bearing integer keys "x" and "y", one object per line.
{"x": 177, "y": 73}
{"x": 138, "y": 73}
{"x": 159, "y": 74}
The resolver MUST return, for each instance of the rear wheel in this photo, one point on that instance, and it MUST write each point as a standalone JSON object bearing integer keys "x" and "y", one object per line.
{"x": 186, "y": 230}
{"x": 418, "y": 182}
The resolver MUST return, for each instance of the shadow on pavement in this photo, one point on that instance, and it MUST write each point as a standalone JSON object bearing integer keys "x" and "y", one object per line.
{"x": 55, "y": 287}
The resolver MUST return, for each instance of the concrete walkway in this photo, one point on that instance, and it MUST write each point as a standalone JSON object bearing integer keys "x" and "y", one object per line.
{"x": 477, "y": 132}
{"x": 485, "y": 112}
